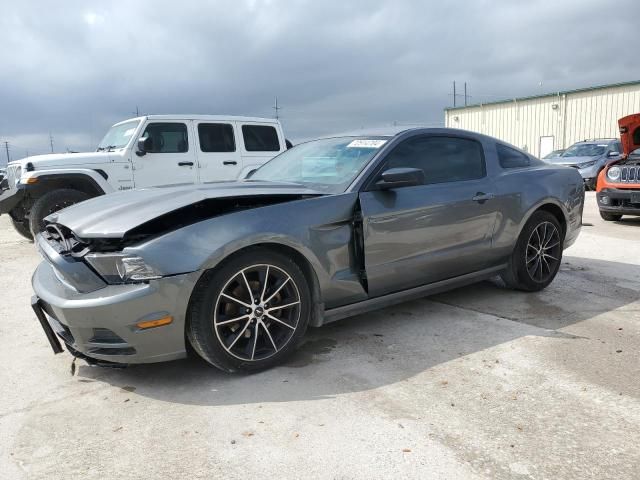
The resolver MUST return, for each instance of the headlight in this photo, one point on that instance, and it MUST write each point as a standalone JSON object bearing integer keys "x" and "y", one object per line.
{"x": 117, "y": 268}
{"x": 614, "y": 174}
{"x": 587, "y": 164}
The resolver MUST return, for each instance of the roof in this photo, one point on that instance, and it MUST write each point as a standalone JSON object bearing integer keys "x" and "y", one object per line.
{"x": 552, "y": 94}
{"x": 212, "y": 118}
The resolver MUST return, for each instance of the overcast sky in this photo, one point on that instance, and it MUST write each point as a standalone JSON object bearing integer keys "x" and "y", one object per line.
{"x": 73, "y": 68}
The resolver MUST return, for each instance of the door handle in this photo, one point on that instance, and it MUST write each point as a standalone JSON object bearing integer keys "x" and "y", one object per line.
{"x": 482, "y": 197}
{"x": 230, "y": 162}
{"x": 185, "y": 164}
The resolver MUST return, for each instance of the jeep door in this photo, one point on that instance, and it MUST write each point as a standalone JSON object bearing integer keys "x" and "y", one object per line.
{"x": 422, "y": 234}
{"x": 218, "y": 153}
{"x": 260, "y": 143}
{"x": 169, "y": 157}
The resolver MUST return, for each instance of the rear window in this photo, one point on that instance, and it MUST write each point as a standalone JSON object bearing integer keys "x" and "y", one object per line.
{"x": 260, "y": 138}
{"x": 216, "y": 137}
{"x": 511, "y": 158}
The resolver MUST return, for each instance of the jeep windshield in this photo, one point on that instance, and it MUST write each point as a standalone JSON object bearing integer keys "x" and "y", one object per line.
{"x": 118, "y": 136}
{"x": 328, "y": 165}
{"x": 584, "y": 150}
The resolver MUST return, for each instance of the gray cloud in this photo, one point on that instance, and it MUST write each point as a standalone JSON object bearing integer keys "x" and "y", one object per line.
{"x": 77, "y": 68}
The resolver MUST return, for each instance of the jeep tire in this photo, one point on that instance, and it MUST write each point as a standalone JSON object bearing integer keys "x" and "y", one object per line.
{"x": 51, "y": 202}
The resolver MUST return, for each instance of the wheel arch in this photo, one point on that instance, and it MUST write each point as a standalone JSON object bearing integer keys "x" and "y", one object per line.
{"x": 552, "y": 206}
{"x": 298, "y": 257}
{"x": 90, "y": 183}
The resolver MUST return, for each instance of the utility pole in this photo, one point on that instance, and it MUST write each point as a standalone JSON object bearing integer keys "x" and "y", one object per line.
{"x": 6, "y": 147}
{"x": 465, "y": 94}
{"x": 137, "y": 112}
{"x": 51, "y": 141}
{"x": 454, "y": 94}
{"x": 277, "y": 108}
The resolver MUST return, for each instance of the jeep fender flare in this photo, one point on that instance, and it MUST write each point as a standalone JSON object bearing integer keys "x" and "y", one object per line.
{"x": 92, "y": 182}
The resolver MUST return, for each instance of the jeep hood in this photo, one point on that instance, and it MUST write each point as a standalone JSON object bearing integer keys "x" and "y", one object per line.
{"x": 116, "y": 214}
{"x": 57, "y": 160}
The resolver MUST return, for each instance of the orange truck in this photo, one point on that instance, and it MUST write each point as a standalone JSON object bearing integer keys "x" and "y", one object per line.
{"x": 618, "y": 187}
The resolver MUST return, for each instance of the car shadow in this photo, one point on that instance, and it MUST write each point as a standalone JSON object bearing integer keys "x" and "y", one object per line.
{"x": 396, "y": 343}
{"x": 634, "y": 221}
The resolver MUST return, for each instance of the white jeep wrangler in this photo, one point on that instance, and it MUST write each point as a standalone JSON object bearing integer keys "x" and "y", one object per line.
{"x": 150, "y": 151}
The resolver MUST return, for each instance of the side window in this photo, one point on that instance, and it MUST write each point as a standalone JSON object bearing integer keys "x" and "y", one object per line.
{"x": 443, "y": 159}
{"x": 166, "y": 138}
{"x": 615, "y": 147}
{"x": 511, "y": 158}
{"x": 260, "y": 138}
{"x": 216, "y": 137}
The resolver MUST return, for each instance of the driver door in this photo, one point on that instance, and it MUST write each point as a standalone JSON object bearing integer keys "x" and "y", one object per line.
{"x": 422, "y": 234}
{"x": 169, "y": 157}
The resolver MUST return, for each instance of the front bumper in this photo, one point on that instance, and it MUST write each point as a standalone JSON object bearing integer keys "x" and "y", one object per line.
{"x": 620, "y": 201}
{"x": 9, "y": 199}
{"x": 102, "y": 324}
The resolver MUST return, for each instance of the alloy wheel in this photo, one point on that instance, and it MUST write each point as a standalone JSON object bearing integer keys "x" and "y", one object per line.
{"x": 543, "y": 252}
{"x": 257, "y": 312}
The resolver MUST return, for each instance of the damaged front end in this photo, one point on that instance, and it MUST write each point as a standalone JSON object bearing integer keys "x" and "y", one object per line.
{"x": 618, "y": 189}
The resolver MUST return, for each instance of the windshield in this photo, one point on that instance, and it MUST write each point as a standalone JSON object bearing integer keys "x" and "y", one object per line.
{"x": 585, "y": 150}
{"x": 329, "y": 165}
{"x": 118, "y": 136}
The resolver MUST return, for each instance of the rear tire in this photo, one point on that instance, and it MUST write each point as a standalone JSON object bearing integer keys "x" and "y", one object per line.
{"x": 536, "y": 258}
{"x": 22, "y": 227}
{"x": 250, "y": 313}
{"x": 610, "y": 217}
{"x": 52, "y": 202}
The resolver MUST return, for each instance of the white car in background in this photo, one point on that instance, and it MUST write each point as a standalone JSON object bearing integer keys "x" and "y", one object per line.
{"x": 148, "y": 151}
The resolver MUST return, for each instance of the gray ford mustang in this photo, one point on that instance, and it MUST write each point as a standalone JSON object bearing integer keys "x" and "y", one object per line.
{"x": 328, "y": 229}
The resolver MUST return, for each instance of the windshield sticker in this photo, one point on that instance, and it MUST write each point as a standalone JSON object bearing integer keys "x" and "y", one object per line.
{"x": 366, "y": 144}
{"x": 129, "y": 132}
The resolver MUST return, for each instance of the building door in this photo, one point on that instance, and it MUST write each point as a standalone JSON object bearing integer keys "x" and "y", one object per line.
{"x": 546, "y": 146}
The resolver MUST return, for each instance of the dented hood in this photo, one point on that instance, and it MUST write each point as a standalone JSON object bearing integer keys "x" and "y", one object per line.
{"x": 113, "y": 215}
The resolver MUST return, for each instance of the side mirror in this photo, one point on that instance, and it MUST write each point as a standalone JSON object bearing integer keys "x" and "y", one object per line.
{"x": 143, "y": 143}
{"x": 613, "y": 154}
{"x": 400, "y": 177}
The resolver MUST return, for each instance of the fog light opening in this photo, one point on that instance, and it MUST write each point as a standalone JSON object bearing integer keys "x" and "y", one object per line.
{"x": 605, "y": 200}
{"x": 160, "y": 322}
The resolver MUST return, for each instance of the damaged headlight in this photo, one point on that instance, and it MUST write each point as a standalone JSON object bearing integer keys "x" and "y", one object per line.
{"x": 117, "y": 268}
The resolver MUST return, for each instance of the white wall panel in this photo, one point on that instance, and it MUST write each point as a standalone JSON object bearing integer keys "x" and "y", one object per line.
{"x": 577, "y": 116}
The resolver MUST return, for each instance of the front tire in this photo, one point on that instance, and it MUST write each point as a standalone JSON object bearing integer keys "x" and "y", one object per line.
{"x": 22, "y": 227}
{"x": 610, "y": 217}
{"x": 536, "y": 258}
{"x": 52, "y": 202}
{"x": 250, "y": 313}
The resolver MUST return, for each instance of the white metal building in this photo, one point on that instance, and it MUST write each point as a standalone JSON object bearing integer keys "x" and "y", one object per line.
{"x": 543, "y": 123}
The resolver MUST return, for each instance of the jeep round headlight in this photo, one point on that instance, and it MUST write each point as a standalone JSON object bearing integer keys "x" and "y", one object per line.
{"x": 614, "y": 174}
{"x": 117, "y": 268}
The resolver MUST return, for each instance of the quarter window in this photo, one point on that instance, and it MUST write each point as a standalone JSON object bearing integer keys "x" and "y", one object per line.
{"x": 216, "y": 137}
{"x": 443, "y": 159}
{"x": 511, "y": 158}
{"x": 260, "y": 138}
{"x": 166, "y": 138}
